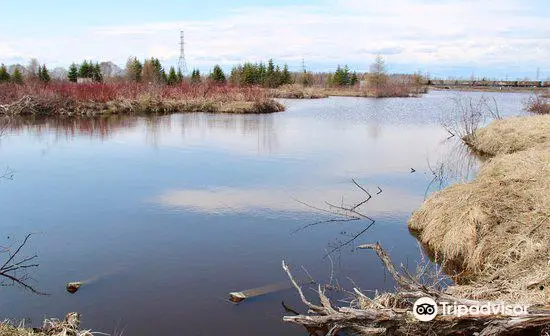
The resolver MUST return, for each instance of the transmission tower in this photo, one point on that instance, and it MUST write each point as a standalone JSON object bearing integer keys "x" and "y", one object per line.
{"x": 182, "y": 64}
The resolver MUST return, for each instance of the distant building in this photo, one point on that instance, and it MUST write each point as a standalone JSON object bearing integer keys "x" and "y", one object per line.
{"x": 81, "y": 80}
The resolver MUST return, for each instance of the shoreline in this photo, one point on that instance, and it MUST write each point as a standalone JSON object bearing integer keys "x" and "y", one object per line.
{"x": 30, "y": 106}
{"x": 496, "y": 227}
{"x": 500, "y": 89}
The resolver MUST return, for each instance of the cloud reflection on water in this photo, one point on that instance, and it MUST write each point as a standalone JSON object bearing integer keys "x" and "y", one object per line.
{"x": 391, "y": 200}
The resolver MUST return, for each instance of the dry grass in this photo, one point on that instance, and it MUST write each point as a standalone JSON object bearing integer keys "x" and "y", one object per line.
{"x": 51, "y": 327}
{"x": 296, "y": 91}
{"x": 511, "y": 135}
{"x": 392, "y": 89}
{"x": 539, "y": 104}
{"x": 497, "y": 227}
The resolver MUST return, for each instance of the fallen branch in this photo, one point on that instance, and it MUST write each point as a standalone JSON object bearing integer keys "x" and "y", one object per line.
{"x": 391, "y": 313}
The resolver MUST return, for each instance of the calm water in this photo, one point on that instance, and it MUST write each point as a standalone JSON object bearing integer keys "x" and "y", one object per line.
{"x": 167, "y": 215}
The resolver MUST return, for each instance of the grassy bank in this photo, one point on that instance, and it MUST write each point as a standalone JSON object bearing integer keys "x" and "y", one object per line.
{"x": 496, "y": 228}
{"x": 297, "y": 91}
{"x": 99, "y": 98}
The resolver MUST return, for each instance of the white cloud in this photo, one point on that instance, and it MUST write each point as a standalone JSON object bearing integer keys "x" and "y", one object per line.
{"x": 443, "y": 33}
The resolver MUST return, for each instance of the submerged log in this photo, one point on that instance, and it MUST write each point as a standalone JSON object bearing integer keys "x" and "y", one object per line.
{"x": 392, "y": 313}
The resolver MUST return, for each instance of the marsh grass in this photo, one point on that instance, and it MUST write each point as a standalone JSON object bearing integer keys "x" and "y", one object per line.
{"x": 497, "y": 227}
{"x": 113, "y": 98}
{"x": 389, "y": 89}
{"x": 539, "y": 104}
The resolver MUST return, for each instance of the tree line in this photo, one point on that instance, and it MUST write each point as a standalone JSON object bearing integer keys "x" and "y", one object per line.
{"x": 151, "y": 71}
{"x": 40, "y": 72}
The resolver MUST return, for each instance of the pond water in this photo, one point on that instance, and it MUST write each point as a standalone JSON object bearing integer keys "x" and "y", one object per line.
{"x": 165, "y": 216}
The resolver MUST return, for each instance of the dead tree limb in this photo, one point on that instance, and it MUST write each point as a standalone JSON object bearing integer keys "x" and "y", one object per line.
{"x": 12, "y": 267}
{"x": 25, "y": 105}
{"x": 391, "y": 313}
{"x": 344, "y": 213}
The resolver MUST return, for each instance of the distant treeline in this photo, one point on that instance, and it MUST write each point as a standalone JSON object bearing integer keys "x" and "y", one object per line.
{"x": 488, "y": 83}
{"x": 265, "y": 74}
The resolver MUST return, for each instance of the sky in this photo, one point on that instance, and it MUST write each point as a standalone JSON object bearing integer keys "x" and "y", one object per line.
{"x": 444, "y": 38}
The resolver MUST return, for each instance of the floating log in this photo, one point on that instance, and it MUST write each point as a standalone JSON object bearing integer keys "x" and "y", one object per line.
{"x": 254, "y": 292}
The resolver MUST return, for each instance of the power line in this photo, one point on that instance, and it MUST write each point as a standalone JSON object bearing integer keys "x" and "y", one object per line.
{"x": 182, "y": 64}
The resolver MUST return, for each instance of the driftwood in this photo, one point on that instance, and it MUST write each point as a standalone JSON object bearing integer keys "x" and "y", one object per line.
{"x": 25, "y": 105}
{"x": 391, "y": 313}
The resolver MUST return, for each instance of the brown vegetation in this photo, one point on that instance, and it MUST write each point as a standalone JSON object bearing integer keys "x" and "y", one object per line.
{"x": 388, "y": 89}
{"x": 493, "y": 232}
{"x": 98, "y": 98}
{"x": 539, "y": 104}
{"x": 51, "y": 327}
{"x": 497, "y": 227}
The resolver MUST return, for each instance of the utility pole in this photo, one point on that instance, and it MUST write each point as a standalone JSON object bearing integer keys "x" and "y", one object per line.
{"x": 303, "y": 65}
{"x": 182, "y": 64}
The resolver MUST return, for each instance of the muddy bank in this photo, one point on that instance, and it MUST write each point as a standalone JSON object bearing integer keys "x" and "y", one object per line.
{"x": 497, "y": 227}
{"x": 29, "y": 105}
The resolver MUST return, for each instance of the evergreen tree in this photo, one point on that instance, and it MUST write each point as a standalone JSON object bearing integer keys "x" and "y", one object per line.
{"x": 286, "y": 77}
{"x": 73, "y": 73}
{"x": 196, "y": 77}
{"x": 86, "y": 70}
{"x": 341, "y": 77}
{"x": 43, "y": 74}
{"x": 158, "y": 70}
{"x": 4, "y": 75}
{"x": 277, "y": 76}
{"x": 172, "y": 77}
{"x": 96, "y": 73}
{"x": 180, "y": 76}
{"x": 133, "y": 69}
{"x": 270, "y": 74}
{"x": 354, "y": 80}
{"x": 217, "y": 74}
{"x": 17, "y": 77}
{"x": 260, "y": 74}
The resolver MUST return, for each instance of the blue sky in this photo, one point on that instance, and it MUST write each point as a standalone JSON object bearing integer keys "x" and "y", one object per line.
{"x": 446, "y": 38}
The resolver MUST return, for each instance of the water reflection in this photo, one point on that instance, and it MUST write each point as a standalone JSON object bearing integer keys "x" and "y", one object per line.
{"x": 64, "y": 129}
{"x": 392, "y": 200}
{"x": 190, "y": 207}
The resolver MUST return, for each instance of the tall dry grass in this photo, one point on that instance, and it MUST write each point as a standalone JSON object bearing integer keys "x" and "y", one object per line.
{"x": 497, "y": 227}
{"x": 539, "y": 104}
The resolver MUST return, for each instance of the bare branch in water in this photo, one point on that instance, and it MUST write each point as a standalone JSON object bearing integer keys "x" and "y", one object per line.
{"x": 344, "y": 213}
{"x": 12, "y": 265}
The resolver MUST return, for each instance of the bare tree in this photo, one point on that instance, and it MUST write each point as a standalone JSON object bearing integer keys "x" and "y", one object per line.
{"x": 32, "y": 68}
{"x": 378, "y": 74}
